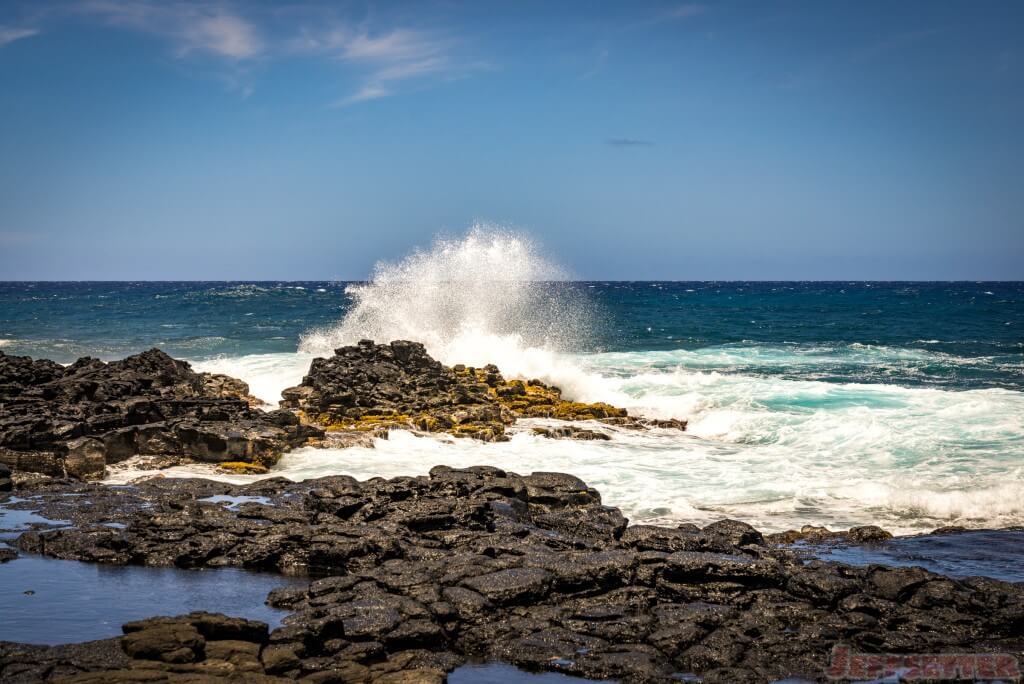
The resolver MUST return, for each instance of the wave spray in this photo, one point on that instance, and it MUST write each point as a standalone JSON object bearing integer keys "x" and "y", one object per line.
{"x": 489, "y": 296}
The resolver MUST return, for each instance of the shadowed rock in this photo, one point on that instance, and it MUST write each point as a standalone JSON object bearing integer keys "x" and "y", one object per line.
{"x": 73, "y": 421}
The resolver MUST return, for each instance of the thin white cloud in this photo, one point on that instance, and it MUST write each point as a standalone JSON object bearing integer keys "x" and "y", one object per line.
{"x": 240, "y": 36}
{"x": 191, "y": 27}
{"x": 398, "y": 55}
{"x": 683, "y": 12}
{"x": 364, "y": 94}
{"x": 223, "y": 34}
{"x": 686, "y": 11}
{"x": 398, "y": 45}
{"x": 9, "y": 34}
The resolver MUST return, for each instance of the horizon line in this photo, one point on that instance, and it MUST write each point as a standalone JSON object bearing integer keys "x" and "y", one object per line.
{"x": 600, "y": 280}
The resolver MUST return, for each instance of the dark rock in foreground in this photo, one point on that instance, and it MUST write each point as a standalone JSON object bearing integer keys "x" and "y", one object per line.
{"x": 73, "y": 421}
{"x": 414, "y": 575}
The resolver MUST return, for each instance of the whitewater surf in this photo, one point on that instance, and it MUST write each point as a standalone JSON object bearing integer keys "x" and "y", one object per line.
{"x": 781, "y": 434}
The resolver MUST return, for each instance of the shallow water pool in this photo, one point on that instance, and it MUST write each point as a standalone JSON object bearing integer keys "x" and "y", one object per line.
{"x": 48, "y": 601}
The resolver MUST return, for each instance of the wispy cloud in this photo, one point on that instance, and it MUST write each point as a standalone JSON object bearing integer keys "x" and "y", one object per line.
{"x": 366, "y": 93}
{"x": 598, "y": 64}
{"x": 234, "y": 39}
{"x": 396, "y": 56}
{"x": 686, "y": 11}
{"x": 664, "y": 16}
{"x": 9, "y": 34}
{"x": 628, "y": 142}
{"x": 191, "y": 27}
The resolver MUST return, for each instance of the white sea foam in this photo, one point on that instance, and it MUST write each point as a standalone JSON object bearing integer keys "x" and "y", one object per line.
{"x": 266, "y": 374}
{"x": 483, "y": 298}
{"x": 761, "y": 446}
{"x": 775, "y": 452}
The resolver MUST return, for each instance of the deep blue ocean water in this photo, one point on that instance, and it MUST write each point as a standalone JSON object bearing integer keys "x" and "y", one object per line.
{"x": 956, "y": 335}
{"x": 899, "y": 404}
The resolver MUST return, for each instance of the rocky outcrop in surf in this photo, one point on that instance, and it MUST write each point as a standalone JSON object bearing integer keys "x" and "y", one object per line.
{"x": 375, "y": 387}
{"x": 370, "y": 387}
{"x": 412, "y": 576}
{"x": 73, "y": 421}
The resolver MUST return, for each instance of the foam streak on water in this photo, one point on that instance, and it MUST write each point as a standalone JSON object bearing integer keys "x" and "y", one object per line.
{"x": 778, "y": 436}
{"x": 775, "y": 452}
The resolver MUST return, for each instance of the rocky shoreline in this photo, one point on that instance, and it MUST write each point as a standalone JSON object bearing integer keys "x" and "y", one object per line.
{"x": 74, "y": 421}
{"x": 411, "y": 577}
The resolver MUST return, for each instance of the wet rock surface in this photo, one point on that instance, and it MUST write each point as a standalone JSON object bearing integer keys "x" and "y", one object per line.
{"x": 375, "y": 387}
{"x": 73, "y": 421}
{"x": 412, "y": 576}
{"x": 371, "y": 387}
{"x": 813, "y": 534}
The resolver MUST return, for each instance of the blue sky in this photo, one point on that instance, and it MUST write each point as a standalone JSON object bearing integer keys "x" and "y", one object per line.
{"x": 306, "y": 140}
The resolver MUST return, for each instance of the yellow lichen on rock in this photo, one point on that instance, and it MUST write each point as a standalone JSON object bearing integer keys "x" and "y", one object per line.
{"x": 534, "y": 399}
{"x": 366, "y": 423}
{"x": 371, "y": 389}
{"x": 242, "y": 468}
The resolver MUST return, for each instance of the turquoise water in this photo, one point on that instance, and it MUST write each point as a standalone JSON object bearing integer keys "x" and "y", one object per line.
{"x": 900, "y": 404}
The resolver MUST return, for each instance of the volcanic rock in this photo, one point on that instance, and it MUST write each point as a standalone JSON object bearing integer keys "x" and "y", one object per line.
{"x": 415, "y": 575}
{"x": 73, "y": 421}
{"x": 375, "y": 387}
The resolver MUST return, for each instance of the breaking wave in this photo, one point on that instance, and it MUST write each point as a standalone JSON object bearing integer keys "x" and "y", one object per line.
{"x": 490, "y": 296}
{"x": 778, "y": 436}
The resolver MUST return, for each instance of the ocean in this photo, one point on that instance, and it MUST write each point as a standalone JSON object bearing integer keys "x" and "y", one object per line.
{"x": 843, "y": 403}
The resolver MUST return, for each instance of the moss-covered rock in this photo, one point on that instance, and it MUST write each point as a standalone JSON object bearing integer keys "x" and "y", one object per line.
{"x": 243, "y": 468}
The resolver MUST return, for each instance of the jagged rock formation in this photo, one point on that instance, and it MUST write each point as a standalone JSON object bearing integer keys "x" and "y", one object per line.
{"x": 73, "y": 421}
{"x": 414, "y": 575}
{"x": 376, "y": 387}
{"x": 371, "y": 387}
